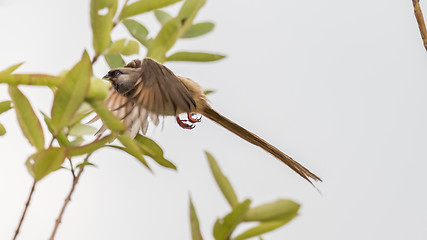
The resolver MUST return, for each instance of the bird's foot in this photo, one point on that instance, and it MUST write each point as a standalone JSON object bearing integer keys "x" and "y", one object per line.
{"x": 184, "y": 124}
{"x": 191, "y": 118}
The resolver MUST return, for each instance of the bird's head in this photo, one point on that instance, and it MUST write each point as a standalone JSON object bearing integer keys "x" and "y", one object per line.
{"x": 123, "y": 79}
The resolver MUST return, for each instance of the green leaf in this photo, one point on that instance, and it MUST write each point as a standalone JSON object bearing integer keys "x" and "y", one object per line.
{"x": 31, "y": 79}
{"x": 101, "y": 19}
{"x": 124, "y": 47}
{"x": 46, "y": 161}
{"x": 2, "y": 130}
{"x": 194, "y": 57}
{"x": 5, "y": 106}
{"x": 198, "y": 29}
{"x": 206, "y": 92}
{"x": 71, "y": 93}
{"x": 132, "y": 148}
{"x": 106, "y": 116}
{"x": 189, "y": 11}
{"x": 222, "y": 181}
{"x": 91, "y": 147}
{"x": 27, "y": 119}
{"x": 137, "y": 30}
{"x": 164, "y": 40}
{"x": 114, "y": 60}
{"x": 262, "y": 228}
{"x": 61, "y": 137}
{"x": 150, "y": 148}
{"x": 11, "y": 69}
{"x": 277, "y": 210}
{"x": 84, "y": 164}
{"x": 98, "y": 89}
{"x": 144, "y": 6}
{"x": 223, "y": 228}
{"x": 194, "y": 222}
{"x": 77, "y": 142}
{"x": 80, "y": 129}
{"x": 162, "y": 16}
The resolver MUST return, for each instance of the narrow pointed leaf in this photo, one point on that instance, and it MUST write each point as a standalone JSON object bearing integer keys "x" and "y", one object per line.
{"x": 77, "y": 142}
{"x": 2, "y": 130}
{"x": 11, "y": 69}
{"x": 263, "y": 228}
{"x": 107, "y": 117}
{"x": 101, "y": 19}
{"x": 5, "y": 106}
{"x": 98, "y": 89}
{"x": 223, "y": 228}
{"x": 194, "y": 222}
{"x": 198, "y": 29}
{"x": 150, "y": 148}
{"x": 144, "y": 6}
{"x": 114, "y": 60}
{"x": 222, "y": 181}
{"x": 132, "y": 148}
{"x": 162, "y": 16}
{"x": 30, "y": 79}
{"x": 188, "y": 12}
{"x": 83, "y": 164}
{"x": 71, "y": 93}
{"x": 164, "y": 40}
{"x": 91, "y": 147}
{"x": 80, "y": 129}
{"x": 61, "y": 137}
{"x": 27, "y": 119}
{"x": 123, "y": 47}
{"x": 137, "y": 30}
{"x": 47, "y": 161}
{"x": 277, "y": 210}
{"x": 206, "y": 92}
{"x": 194, "y": 57}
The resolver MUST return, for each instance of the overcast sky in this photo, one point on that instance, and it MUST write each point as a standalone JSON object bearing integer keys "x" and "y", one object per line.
{"x": 341, "y": 86}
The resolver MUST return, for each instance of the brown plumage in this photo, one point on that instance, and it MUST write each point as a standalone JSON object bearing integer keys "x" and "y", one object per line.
{"x": 147, "y": 89}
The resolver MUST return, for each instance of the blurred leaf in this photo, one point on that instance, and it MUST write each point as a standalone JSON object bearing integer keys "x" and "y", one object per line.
{"x": 77, "y": 142}
{"x": 262, "y": 228}
{"x": 30, "y": 79}
{"x": 91, "y": 147}
{"x": 27, "y": 119}
{"x": 162, "y": 16}
{"x": 132, "y": 148}
{"x": 194, "y": 57}
{"x": 61, "y": 137}
{"x": 206, "y": 92}
{"x": 123, "y": 46}
{"x": 84, "y": 111}
{"x": 222, "y": 181}
{"x": 98, "y": 89}
{"x": 47, "y": 161}
{"x": 71, "y": 93}
{"x": 150, "y": 148}
{"x": 5, "y": 106}
{"x": 144, "y": 6}
{"x": 277, "y": 210}
{"x": 188, "y": 12}
{"x": 80, "y": 129}
{"x": 164, "y": 40}
{"x": 83, "y": 164}
{"x": 101, "y": 19}
{"x": 198, "y": 29}
{"x": 137, "y": 30}
{"x": 223, "y": 228}
{"x": 194, "y": 222}
{"x": 11, "y": 69}
{"x": 114, "y": 60}
{"x": 107, "y": 117}
{"x": 2, "y": 130}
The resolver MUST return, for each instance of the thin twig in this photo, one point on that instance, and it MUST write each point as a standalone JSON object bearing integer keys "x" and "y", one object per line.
{"x": 72, "y": 169}
{"x": 420, "y": 20}
{"x": 68, "y": 198}
{"x": 25, "y": 210}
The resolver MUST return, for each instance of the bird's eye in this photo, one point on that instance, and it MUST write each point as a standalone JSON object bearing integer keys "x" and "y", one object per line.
{"x": 116, "y": 73}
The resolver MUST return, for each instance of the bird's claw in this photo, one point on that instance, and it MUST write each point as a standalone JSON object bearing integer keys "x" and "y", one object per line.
{"x": 190, "y": 123}
{"x": 191, "y": 118}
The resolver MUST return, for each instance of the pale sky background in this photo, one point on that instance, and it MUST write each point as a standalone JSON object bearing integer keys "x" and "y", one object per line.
{"x": 341, "y": 86}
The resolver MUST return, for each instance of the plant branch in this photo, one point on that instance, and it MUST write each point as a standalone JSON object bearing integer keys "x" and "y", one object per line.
{"x": 421, "y": 23}
{"x": 25, "y": 210}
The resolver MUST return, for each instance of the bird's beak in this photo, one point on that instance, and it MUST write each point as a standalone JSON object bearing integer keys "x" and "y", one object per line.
{"x": 107, "y": 77}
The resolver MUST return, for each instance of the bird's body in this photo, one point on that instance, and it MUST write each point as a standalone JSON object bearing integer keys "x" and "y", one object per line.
{"x": 147, "y": 89}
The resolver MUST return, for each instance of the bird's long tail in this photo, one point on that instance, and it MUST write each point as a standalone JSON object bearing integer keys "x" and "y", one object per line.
{"x": 254, "y": 139}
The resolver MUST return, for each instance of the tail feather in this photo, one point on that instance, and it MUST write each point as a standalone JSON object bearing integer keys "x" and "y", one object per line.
{"x": 254, "y": 139}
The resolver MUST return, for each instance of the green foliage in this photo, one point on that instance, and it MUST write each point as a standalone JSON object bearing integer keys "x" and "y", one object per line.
{"x": 107, "y": 117}
{"x": 162, "y": 16}
{"x": 151, "y": 149}
{"x": 198, "y": 29}
{"x": 101, "y": 19}
{"x": 194, "y": 57}
{"x": 194, "y": 223}
{"x": 224, "y": 227}
{"x": 144, "y": 6}
{"x": 45, "y": 162}
{"x": 5, "y": 106}
{"x": 114, "y": 60}
{"x": 124, "y": 47}
{"x": 132, "y": 148}
{"x": 137, "y": 30}
{"x": 2, "y": 130}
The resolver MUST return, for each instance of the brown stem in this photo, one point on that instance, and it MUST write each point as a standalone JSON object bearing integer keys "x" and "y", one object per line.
{"x": 68, "y": 198}
{"x": 421, "y": 23}
{"x": 25, "y": 210}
